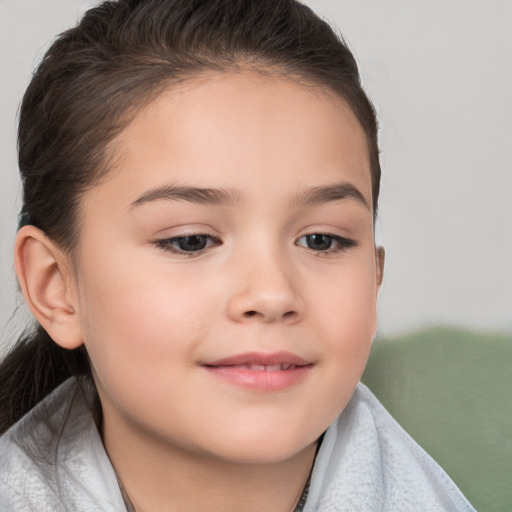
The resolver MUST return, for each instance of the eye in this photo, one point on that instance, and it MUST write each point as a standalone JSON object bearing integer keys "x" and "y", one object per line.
{"x": 324, "y": 243}
{"x": 188, "y": 245}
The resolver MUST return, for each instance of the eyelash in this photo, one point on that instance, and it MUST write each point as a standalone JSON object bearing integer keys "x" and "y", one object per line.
{"x": 342, "y": 243}
{"x": 169, "y": 244}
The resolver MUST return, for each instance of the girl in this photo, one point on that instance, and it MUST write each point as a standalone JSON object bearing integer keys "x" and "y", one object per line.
{"x": 196, "y": 243}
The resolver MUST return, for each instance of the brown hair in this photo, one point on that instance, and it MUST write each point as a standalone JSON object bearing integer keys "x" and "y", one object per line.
{"x": 93, "y": 80}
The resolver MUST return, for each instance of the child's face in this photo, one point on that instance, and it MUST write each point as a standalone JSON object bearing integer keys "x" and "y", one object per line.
{"x": 276, "y": 270}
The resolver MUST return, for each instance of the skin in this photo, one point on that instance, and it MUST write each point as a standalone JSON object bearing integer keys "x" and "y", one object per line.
{"x": 179, "y": 437}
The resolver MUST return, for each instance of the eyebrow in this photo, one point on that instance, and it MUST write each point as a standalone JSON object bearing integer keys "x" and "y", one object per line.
{"x": 213, "y": 196}
{"x": 222, "y": 196}
{"x": 329, "y": 193}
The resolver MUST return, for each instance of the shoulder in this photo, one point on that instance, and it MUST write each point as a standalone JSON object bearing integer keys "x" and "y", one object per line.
{"x": 28, "y": 470}
{"x": 368, "y": 462}
{"x": 53, "y": 458}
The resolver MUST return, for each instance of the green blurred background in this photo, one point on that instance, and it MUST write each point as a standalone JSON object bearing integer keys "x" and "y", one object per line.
{"x": 451, "y": 389}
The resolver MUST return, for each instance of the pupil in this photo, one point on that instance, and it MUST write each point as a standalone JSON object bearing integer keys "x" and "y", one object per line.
{"x": 192, "y": 243}
{"x": 319, "y": 242}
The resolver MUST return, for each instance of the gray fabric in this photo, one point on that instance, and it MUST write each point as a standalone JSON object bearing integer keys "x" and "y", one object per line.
{"x": 53, "y": 460}
{"x": 367, "y": 462}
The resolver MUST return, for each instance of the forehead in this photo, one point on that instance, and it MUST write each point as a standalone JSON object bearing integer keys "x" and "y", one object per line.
{"x": 244, "y": 130}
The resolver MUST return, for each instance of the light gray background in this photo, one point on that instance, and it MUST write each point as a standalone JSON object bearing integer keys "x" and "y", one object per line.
{"x": 440, "y": 75}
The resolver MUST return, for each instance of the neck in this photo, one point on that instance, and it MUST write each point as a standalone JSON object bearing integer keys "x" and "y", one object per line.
{"x": 165, "y": 478}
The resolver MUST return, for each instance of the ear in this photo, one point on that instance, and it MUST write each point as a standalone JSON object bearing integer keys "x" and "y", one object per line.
{"x": 47, "y": 282}
{"x": 380, "y": 256}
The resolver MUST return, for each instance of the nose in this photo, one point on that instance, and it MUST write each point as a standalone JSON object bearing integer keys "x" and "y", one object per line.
{"x": 265, "y": 290}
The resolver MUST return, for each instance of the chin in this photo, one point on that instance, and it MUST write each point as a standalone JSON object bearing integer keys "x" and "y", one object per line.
{"x": 262, "y": 450}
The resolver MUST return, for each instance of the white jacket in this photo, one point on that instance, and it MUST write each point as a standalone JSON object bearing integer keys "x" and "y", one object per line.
{"x": 53, "y": 460}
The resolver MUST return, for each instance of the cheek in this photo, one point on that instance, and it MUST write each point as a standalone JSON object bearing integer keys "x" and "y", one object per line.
{"x": 346, "y": 315}
{"x": 141, "y": 334}
{"x": 347, "y": 301}
{"x": 142, "y": 316}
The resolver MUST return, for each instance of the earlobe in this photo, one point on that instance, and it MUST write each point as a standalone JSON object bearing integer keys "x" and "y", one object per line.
{"x": 380, "y": 256}
{"x": 45, "y": 279}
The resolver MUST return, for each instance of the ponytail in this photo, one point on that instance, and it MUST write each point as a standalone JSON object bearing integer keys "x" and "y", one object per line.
{"x": 32, "y": 369}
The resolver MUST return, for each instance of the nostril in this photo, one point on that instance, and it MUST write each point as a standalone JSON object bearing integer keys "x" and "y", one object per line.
{"x": 289, "y": 315}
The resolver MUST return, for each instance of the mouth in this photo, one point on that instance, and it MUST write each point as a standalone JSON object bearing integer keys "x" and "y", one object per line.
{"x": 261, "y": 372}
{"x": 255, "y": 367}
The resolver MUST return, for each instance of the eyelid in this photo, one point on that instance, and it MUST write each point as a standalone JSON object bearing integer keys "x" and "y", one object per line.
{"x": 168, "y": 243}
{"x": 343, "y": 242}
{"x": 165, "y": 243}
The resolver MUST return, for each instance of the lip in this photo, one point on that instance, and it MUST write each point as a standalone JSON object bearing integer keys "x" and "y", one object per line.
{"x": 257, "y": 371}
